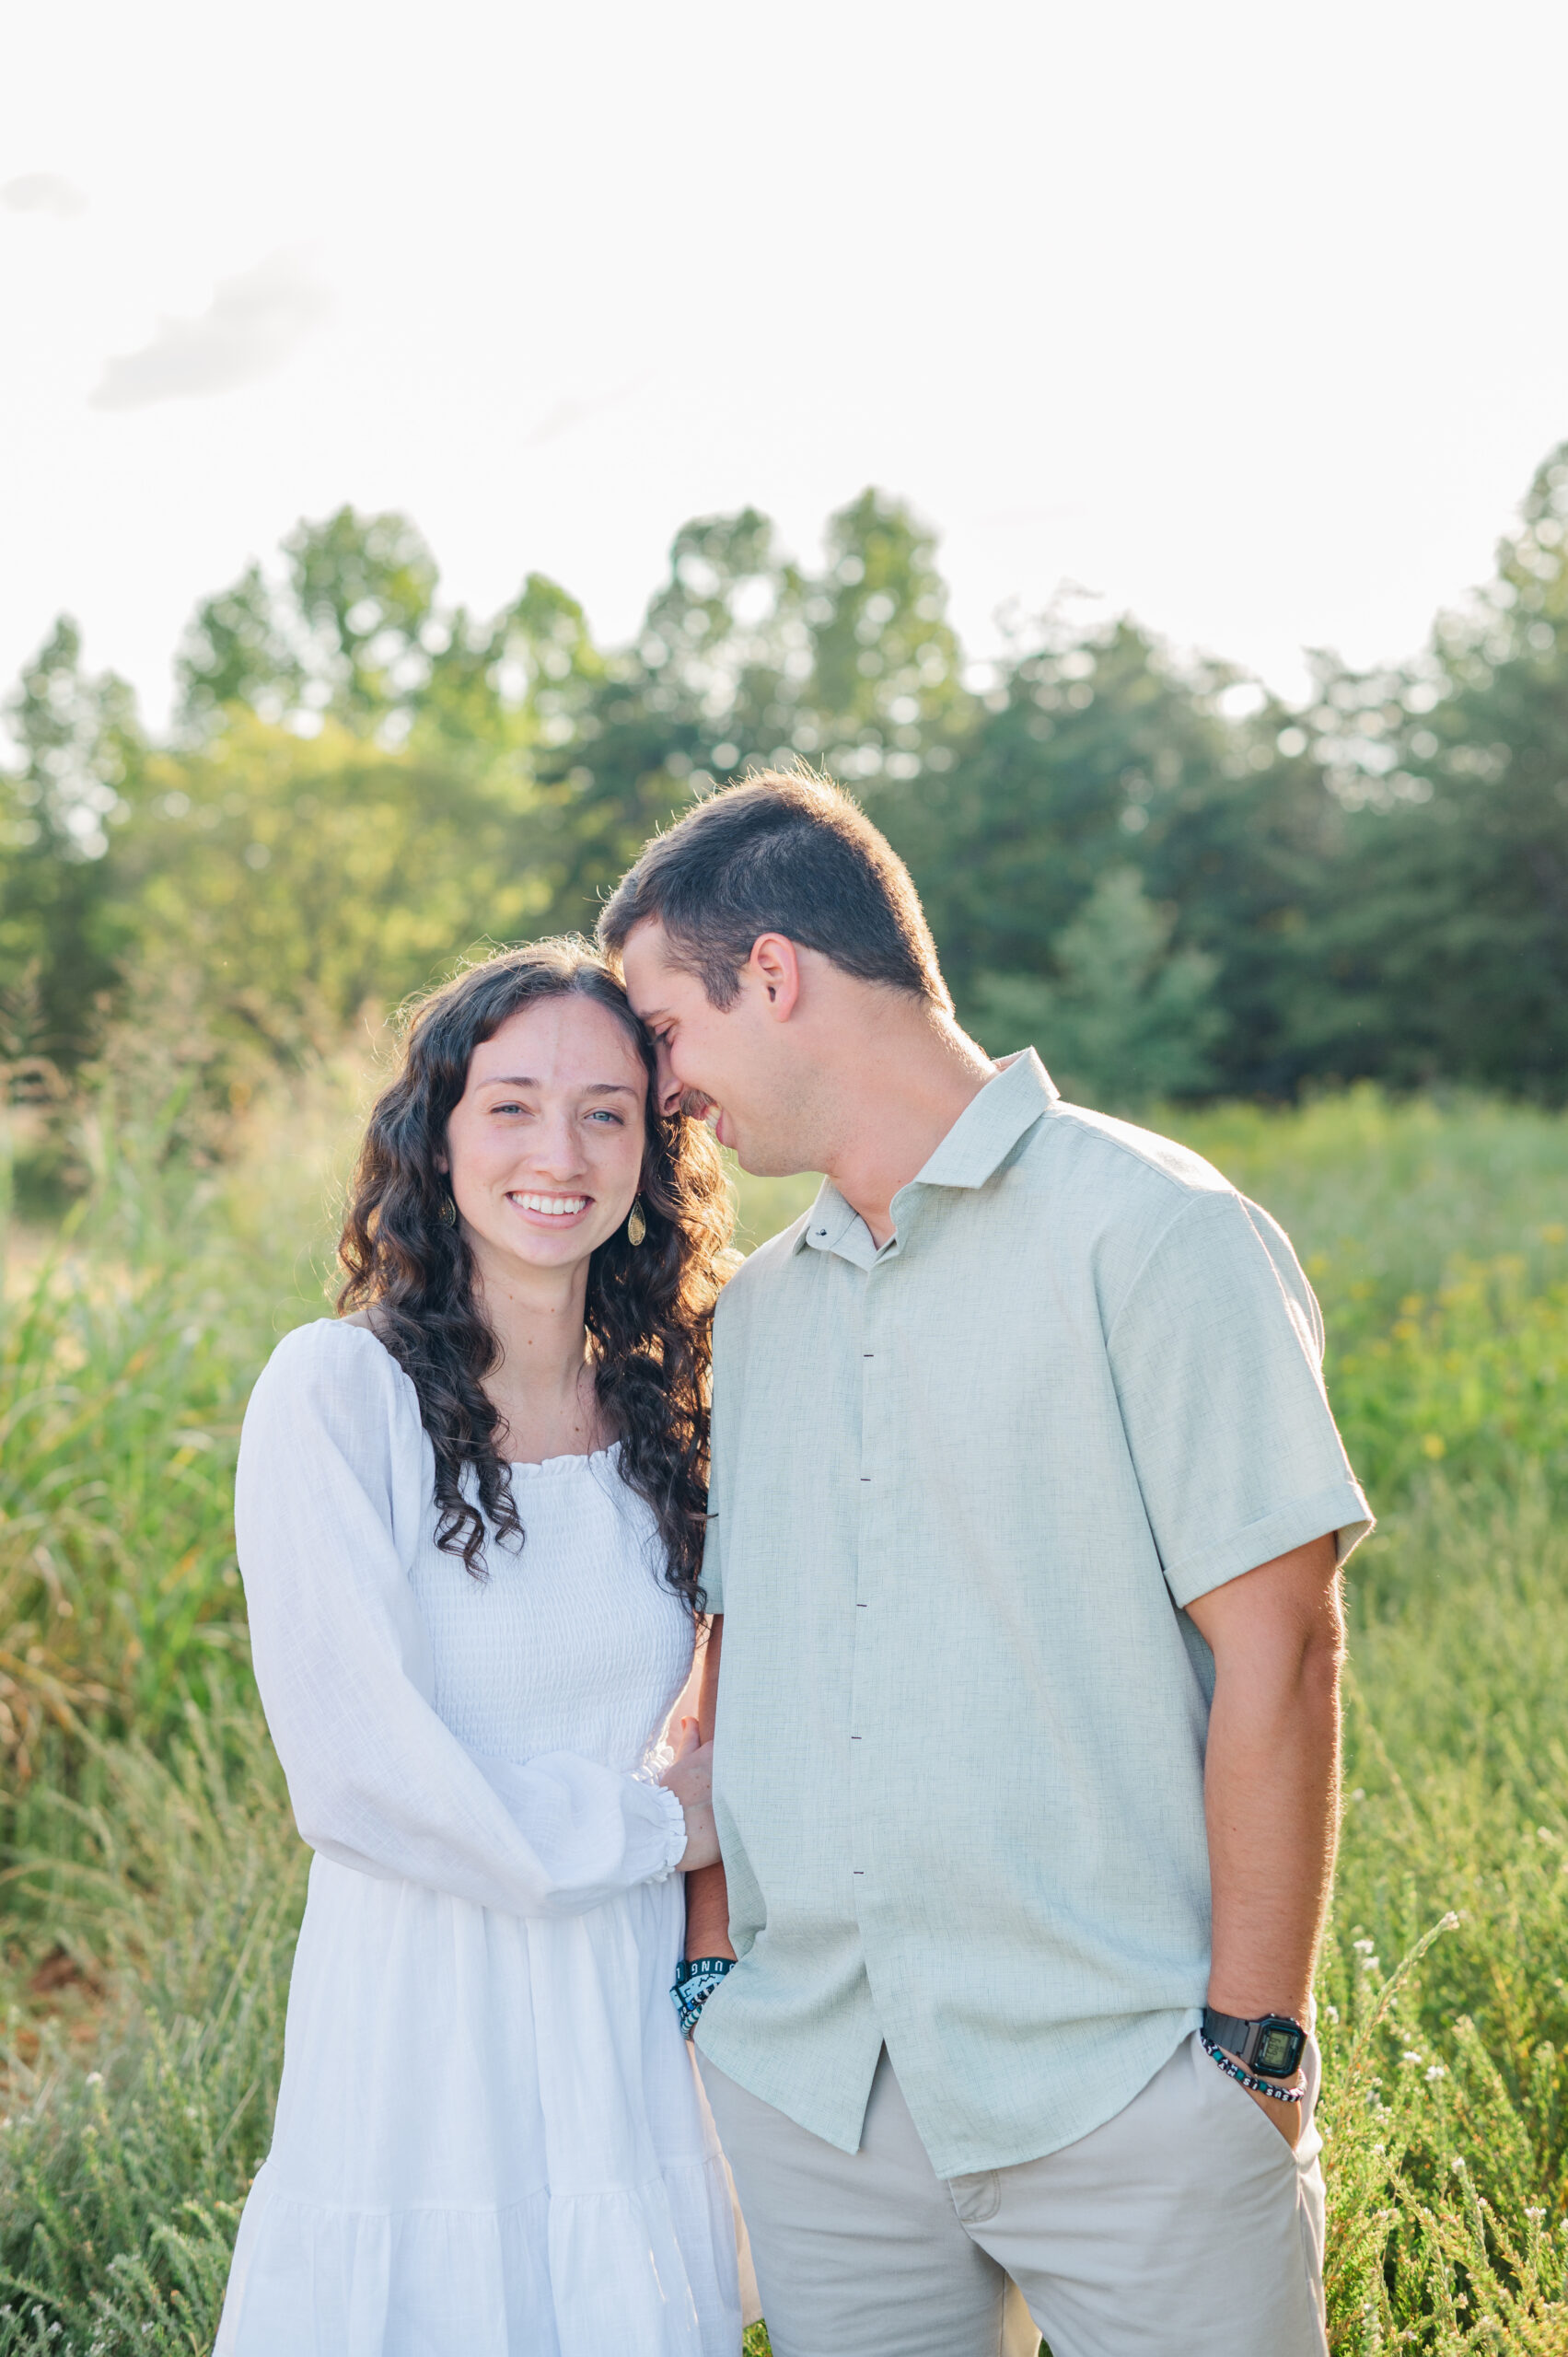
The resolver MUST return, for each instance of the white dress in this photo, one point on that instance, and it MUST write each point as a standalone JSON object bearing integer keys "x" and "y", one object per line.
{"x": 490, "y": 2139}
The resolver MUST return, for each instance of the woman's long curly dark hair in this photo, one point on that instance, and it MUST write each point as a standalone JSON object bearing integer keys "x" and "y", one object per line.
{"x": 649, "y": 1306}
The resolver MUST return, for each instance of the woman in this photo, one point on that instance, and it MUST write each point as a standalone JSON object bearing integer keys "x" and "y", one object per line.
{"x": 470, "y": 1516}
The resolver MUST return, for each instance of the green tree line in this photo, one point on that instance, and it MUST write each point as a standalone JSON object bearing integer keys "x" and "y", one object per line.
{"x": 1172, "y": 881}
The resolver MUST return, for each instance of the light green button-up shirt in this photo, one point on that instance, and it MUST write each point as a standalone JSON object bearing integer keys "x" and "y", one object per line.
{"x": 963, "y": 1489}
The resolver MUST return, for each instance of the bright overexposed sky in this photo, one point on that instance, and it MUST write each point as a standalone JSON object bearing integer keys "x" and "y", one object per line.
{"x": 1247, "y": 317}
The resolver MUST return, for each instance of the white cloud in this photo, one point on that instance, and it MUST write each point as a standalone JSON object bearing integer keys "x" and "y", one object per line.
{"x": 251, "y": 326}
{"x": 43, "y": 192}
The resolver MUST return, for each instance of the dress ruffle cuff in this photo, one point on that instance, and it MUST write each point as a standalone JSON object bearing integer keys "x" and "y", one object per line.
{"x": 672, "y": 1826}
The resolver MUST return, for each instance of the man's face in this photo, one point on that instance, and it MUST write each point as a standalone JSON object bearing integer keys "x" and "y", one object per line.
{"x": 733, "y": 1062}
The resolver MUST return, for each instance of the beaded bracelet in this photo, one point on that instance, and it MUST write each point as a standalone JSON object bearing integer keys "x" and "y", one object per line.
{"x": 695, "y": 1981}
{"x": 1245, "y": 2079}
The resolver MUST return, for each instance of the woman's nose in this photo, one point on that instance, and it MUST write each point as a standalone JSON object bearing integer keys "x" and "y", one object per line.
{"x": 557, "y": 1148}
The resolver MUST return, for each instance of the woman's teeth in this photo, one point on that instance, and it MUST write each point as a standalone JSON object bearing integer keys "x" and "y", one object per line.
{"x": 553, "y": 1206}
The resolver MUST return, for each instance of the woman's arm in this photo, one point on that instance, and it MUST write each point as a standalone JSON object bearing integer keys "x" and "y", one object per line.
{"x": 327, "y": 1511}
{"x": 707, "y": 1894}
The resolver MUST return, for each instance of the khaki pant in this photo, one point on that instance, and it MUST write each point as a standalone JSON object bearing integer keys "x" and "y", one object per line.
{"x": 1186, "y": 2226}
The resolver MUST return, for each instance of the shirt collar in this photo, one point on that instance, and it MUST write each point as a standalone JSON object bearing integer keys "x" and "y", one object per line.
{"x": 974, "y": 1148}
{"x": 991, "y": 1124}
{"x": 829, "y": 1223}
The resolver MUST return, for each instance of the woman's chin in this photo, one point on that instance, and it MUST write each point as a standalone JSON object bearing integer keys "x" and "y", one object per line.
{"x": 535, "y": 1246}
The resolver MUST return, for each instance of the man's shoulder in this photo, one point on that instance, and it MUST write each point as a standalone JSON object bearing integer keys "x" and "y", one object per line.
{"x": 1134, "y": 1191}
{"x": 1115, "y": 1163}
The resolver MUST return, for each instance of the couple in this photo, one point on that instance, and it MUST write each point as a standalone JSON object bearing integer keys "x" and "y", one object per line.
{"x": 993, "y": 1901}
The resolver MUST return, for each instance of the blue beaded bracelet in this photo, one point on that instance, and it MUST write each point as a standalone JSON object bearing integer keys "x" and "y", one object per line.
{"x": 694, "y": 1984}
{"x": 1233, "y": 2069}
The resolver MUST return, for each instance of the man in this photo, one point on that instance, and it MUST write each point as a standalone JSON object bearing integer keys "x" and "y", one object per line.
{"x": 1028, "y": 1508}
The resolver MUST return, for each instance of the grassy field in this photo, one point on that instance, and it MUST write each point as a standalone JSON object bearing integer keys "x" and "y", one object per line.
{"x": 152, "y": 1882}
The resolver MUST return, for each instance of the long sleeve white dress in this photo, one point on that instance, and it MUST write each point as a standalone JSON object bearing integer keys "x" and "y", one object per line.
{"x": 489, "y": 2141}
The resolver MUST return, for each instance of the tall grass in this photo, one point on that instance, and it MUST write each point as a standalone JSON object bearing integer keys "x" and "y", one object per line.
{"x": 152, "y": 1882}
{"x": 173, "y": 1886}
{"x": 129, "y": 1340}
{"x": 1448, "y": 2114}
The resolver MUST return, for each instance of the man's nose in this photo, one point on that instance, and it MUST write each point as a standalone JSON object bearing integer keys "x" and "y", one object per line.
{"x": 670, "y": 1091}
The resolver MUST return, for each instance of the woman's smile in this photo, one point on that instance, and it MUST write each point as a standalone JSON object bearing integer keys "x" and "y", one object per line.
{"x": 554, "y": 1210}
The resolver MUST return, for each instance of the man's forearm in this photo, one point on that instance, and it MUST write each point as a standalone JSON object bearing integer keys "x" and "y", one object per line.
{"x": 707, "y": 1894}
{"x": 707, "y": 1913}
{"x": 1271, "y": 1780}
{"x": 1272, "y": 1800}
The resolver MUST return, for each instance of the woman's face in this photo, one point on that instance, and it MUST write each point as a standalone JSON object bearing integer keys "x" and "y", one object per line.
{"x": 545, "y": 1147}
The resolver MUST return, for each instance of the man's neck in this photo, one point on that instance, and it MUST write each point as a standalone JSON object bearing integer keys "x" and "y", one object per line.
{"x": 921, "y": 1073}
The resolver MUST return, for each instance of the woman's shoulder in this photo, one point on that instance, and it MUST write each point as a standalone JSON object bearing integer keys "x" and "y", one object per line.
{"x": 338, "y": 1364}
{"x": 334, "y": 1421}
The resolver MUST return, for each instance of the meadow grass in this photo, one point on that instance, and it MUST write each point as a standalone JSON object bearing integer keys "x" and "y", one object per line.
{"x": 152, "y": 1882}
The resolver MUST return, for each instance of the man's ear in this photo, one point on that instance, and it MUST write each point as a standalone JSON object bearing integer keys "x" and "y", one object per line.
{"x": 774, "y": 966}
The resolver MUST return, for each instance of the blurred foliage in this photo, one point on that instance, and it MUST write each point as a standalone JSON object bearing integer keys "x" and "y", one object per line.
{"x": 66, "y": 938}
{"x": 1456, "y": 771}
{"x": 303, "y": 880}
{"x": 150, "y": 1881}
{"x": 128, "y": 1344}
{"x": 1128, "y": 1017}
{"x": 1179, "y": 889}
{"x": 1182, "y": 887}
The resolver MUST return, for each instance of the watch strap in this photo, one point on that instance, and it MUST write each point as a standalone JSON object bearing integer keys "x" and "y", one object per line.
{"x": 1237, "y": 2035}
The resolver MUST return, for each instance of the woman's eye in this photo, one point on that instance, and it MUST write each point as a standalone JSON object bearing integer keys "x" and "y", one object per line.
{"x": 603, "y": 1114}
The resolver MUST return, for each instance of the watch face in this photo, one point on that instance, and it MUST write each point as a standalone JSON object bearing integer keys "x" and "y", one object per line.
{"x": 1279, "y": 2051}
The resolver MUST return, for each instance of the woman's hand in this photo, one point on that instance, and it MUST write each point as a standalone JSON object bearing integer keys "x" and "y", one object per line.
{"x": 690, "y": 1777}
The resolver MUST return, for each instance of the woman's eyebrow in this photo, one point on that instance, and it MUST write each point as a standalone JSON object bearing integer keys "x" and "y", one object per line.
{"x": 521, "y": 1080}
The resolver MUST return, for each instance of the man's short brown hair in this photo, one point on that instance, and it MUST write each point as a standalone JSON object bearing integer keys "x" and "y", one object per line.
{"x": 781, "y": 852}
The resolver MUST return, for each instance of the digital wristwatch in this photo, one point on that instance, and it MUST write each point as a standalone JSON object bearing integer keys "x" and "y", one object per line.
{"x": 1272, "y": 2046}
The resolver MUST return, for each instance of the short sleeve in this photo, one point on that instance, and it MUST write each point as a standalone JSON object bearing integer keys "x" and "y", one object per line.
{"x": 1217, "y": 1354}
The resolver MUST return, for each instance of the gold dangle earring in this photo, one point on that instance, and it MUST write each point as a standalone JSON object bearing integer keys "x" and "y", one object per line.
{"x": 636, "y": 1226}
{"x": 448, "y": 1212}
